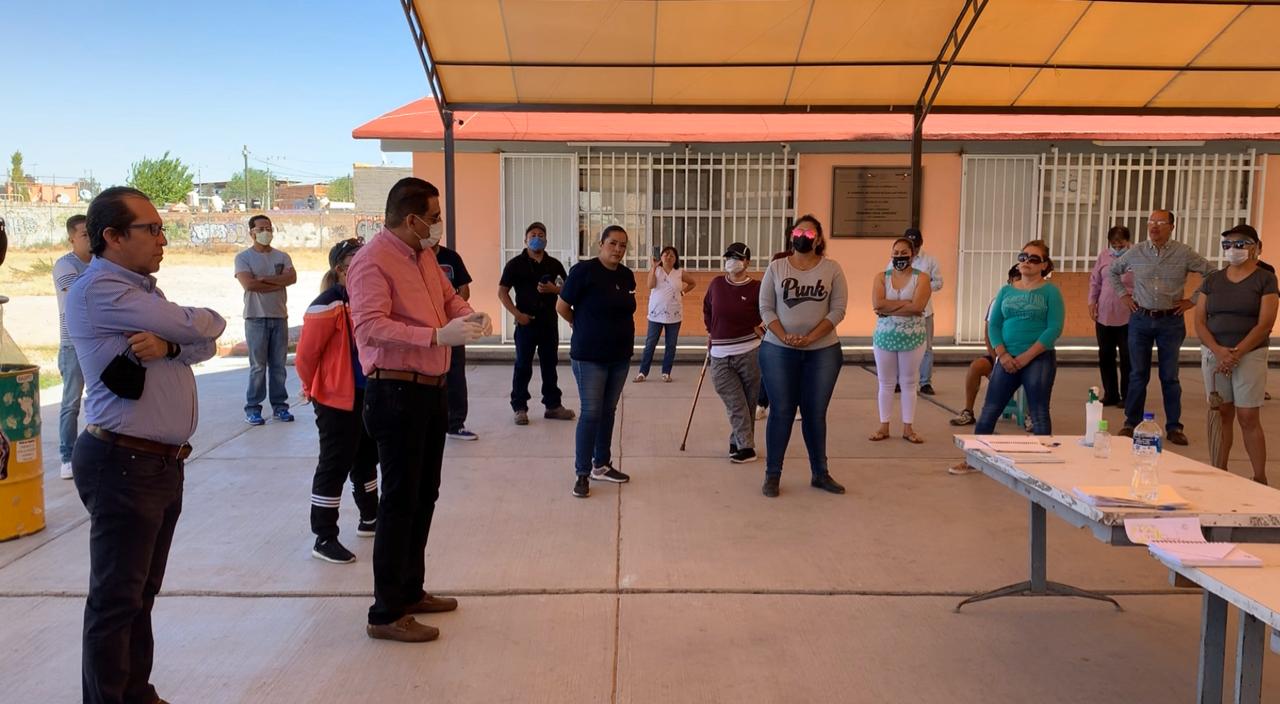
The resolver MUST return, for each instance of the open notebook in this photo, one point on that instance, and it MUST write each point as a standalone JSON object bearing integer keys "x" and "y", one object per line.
{"x": 1180, "y": 542}
{"x": 1118, "y": 496}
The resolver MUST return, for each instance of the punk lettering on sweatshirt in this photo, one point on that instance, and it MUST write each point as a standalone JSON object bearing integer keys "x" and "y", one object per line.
{"x": 800, "y": 299}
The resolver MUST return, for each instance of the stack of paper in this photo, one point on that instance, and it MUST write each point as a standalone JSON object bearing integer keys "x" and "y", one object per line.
{"x": 1020, "y": 449}
{"x": 1119, "y": 497}
{"x": 1180, "y": 542}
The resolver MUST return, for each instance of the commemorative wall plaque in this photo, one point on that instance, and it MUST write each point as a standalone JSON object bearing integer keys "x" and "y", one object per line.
{"x": 870, "y": 201}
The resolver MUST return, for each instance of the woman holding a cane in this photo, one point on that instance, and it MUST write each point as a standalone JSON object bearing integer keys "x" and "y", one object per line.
{"x": 731, "y": 311}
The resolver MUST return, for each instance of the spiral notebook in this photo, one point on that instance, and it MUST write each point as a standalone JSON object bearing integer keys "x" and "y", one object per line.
{"x": 1180, "y": 541}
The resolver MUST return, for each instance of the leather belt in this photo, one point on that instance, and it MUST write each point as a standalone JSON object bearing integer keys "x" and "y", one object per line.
{"x": 1157, "y": 314}
{"x": 414, "y": 377}
{"x": 150, "y": 447}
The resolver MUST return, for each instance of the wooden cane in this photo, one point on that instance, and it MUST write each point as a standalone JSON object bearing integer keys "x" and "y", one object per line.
{"x": 703, "y": 375}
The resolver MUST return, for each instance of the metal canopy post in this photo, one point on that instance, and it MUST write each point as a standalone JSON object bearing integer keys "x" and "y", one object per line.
{"x": 450, "y": 222}
{"x": 446, "y": 116}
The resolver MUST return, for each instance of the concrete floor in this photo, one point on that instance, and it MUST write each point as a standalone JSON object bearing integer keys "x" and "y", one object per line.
{"x": 684, "y": 586}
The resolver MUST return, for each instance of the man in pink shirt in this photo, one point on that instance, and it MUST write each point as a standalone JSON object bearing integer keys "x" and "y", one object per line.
{"x": 406, "y": 316}
{"x": 1111, "y": 318}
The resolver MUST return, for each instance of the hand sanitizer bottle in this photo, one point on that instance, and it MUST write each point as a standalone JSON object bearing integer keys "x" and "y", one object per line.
{"x": 1102, "y": 442}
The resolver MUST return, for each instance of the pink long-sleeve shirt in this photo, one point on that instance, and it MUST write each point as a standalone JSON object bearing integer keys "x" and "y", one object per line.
{"x": 399, "y": 298}
{"x": 1112, "y": 311}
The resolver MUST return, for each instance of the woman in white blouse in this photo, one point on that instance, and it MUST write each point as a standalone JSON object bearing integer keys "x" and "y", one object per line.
{"x": 667, "y": 286}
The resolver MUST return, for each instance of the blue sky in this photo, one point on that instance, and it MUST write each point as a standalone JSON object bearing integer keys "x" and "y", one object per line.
{"x": 94, "y": 86}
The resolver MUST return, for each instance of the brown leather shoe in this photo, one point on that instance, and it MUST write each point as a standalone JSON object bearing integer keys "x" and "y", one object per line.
{"x": 1177, "y": 437}
{"x": 405, "y": 630}
{"x": 559, "y": 413}
{"x": 432, "y": 605}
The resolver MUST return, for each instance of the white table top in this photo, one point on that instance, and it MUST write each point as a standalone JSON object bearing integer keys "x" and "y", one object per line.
{"x": 1219, "y": 498}
{"x": 1255, "y": 590}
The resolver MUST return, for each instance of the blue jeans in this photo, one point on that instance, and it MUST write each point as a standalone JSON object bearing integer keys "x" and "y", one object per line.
{"x": 926, "y": 364}
{"x": 1167, "y": 334}
{"x": 804, "y": 379}
{"x": 651, "y": 343}
{"x": 1037, "y": 378}
{"x": 72, "y": 390}
{"x": 599, "y": 388}
{"x": 268, "y": 340}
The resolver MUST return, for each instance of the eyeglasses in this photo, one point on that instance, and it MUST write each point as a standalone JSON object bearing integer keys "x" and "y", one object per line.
{"x": 1158, "y": 222}
{"x": 801, "y": 232}
{"x": 1030, "y": 258}
{"x": 1236, "y": 244}
{"x": 156, "y": 229}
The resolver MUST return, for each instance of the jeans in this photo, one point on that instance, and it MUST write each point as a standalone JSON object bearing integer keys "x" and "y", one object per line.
{"x": 1167, "y": 334}
{"x": 456, "y": 387}
{"x": 926, "y": 364}
{"x": 1037, "y": 378}
{"x": 407, "y": 421}
{"x": 346, "y": 450}
{"x": 133, "y": 500}
{"x": 72, "y": 390}
{"x": 672, "y": 331}
{"x": 1110, "y": 339}
{"x": 542, "y": 338}
{"x": 268, "y": 340}
{"x": 804, "y": 379}
{"x": 599, "y": 388}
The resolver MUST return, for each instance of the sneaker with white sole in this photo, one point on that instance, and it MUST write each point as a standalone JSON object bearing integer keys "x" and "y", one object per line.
{"x": 743, "y": 456}
{"x": 581, "y": 488}
{"x": 462, "y": 434}
{"x": 367, "y": 529}
{"x": 66, "y": 472}
{"x": 962, "y": 468}
{"x": 608, "y": 474}
{"x": 330, "y": 550}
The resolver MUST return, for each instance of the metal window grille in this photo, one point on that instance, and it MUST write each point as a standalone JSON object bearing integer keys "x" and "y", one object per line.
{"x": 698, "y": 203}
{"x": 1084, "y": 195}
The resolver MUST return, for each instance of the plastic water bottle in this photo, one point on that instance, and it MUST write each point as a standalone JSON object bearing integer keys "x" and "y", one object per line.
{"x": 1092, "y": 415}
{"x": 1102, "y": 441}
{"x": 1148, "y": 442}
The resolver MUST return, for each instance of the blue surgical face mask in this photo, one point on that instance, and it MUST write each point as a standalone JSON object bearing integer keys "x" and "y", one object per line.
{"x": 1118, "y": 250}
{"x": 537, "y": 244}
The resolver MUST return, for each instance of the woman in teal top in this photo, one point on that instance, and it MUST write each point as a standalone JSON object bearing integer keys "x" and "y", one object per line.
{"x": 1026, "y": 320}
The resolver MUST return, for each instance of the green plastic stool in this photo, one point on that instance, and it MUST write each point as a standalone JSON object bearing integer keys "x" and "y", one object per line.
{"x": 1017, "y": 408}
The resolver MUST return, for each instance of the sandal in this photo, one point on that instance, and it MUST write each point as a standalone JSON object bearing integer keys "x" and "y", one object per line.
{"x": 879, "y": 435}
{"x": 639, "y": 378}
{"x": 913, "y": 439}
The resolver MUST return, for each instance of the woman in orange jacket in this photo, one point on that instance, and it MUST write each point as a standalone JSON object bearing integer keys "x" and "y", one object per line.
{"x": 329, "y": 369}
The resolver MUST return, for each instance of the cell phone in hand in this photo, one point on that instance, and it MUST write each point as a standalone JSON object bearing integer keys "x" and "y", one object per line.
{"x": 657, "y": 252}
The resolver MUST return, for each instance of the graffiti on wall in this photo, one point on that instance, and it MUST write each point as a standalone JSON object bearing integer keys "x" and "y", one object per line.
{"x": 368, "y": 225}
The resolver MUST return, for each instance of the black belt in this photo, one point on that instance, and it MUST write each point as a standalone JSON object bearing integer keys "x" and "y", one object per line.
{"x": 414, "y": 377}
{"x": 150, "y": 447}
{"x": 1157, "y": 314}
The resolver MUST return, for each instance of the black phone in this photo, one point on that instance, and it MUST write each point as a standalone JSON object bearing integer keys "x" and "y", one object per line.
{"x": 657, "y": 252}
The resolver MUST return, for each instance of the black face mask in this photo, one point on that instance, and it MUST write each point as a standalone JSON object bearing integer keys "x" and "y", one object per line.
{"x": 803, "y": 245}
{"x": 901, "y": 263}
{"x": 124, "y": 377}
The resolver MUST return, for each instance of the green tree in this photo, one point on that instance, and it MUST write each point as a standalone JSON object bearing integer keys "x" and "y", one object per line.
{"x": 164, "y": 180}
{"x": 340, "y": 190}
{"x": 258, "y": 185}
{"x": 18, "y": 177}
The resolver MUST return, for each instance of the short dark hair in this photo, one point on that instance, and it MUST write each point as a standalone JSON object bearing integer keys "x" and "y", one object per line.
{"x": 604, "y": 234}
{"x": 75, "y": 221}
{"x": 817, "y": 225}
{"x": 1119, "y": 232}
{"x": 109, "y": 209}
{"x": 674, "y": 251}
{"x": 408, "y": 197}
{"x": 1172, "y": 219}
{"x": 258, "y": 217}
{"x": 535, "y": 225}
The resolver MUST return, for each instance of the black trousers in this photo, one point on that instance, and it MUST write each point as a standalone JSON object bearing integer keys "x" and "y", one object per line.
{"x": 133, "y": 500}
{"x": 346, "y": 450}
{"x": 1111, "y": 338}
{"x": 457, "y": 380}
{"x": 407, "y": 421}
{"x": 541, "y": 338}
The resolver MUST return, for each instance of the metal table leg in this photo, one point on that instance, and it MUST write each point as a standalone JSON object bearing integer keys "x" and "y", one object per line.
{"x": 1213, "y": 646}
{"x": 1249, "y": 652}
{"x": 1038, "y": 585}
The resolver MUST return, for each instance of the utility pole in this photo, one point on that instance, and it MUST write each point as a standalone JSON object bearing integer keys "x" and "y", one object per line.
{"x": 245, "y": 152}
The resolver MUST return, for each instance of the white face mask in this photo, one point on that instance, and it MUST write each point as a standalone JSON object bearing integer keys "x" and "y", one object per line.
{"x": 434, "y": 232}
{"x": 263, "y": 237}
{"x": 1237, "y": 256}
{"x": 734, "y": 266}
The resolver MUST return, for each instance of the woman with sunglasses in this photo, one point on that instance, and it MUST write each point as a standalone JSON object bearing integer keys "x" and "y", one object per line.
{"x": 331, "y": 377}
{"x": 667, "y": 286}
{"x": 1234, "y": 317}
{"x": 1026, "y": 320}
{"x": 899, "y": 296}
{"x": 802, "y": 299}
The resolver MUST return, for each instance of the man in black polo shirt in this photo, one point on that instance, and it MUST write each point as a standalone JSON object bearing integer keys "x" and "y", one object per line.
{"x": 456, "y": 379}
{"x": 536, "y": 276}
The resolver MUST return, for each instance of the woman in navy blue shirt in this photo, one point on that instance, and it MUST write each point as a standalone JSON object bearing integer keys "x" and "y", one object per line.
{"x": 599, "y": 302}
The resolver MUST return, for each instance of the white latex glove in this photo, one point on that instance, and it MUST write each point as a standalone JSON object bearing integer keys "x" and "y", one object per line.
{"x": 459, "y": 331}
{"x": 486, "y": 324}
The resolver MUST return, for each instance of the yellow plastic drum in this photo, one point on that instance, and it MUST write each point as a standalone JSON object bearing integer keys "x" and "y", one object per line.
{"x": 21, "y": 473}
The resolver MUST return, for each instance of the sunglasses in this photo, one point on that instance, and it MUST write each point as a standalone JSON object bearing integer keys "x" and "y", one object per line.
{"x": 1030, "y": 258}
{"x": 800, "y": 232}
{"x": 1236, "y": 244}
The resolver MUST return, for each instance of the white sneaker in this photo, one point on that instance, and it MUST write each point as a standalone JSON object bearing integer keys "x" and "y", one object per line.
{"x": 962, "y": 468}
{"x": 761, "y": 412}
{"x": 65, "y": 472}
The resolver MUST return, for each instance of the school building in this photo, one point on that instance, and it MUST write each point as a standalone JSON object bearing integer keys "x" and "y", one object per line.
{"x": 699, "y": 181}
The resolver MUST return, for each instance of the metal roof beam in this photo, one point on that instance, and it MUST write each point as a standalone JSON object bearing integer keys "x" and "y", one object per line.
{"x": 424, "y": 52}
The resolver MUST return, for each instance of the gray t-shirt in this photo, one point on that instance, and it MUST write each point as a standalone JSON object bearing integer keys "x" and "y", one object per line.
{"x": 66, "y": 270}
{"x": 1233, "y": 308}
{"x": 260, "y": 264}
{"x": 801, "y": 299}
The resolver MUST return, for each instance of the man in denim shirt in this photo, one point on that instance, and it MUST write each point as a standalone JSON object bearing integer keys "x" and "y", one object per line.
{"x": 136, "y": 350}
{"x": 1160, "y": 267}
